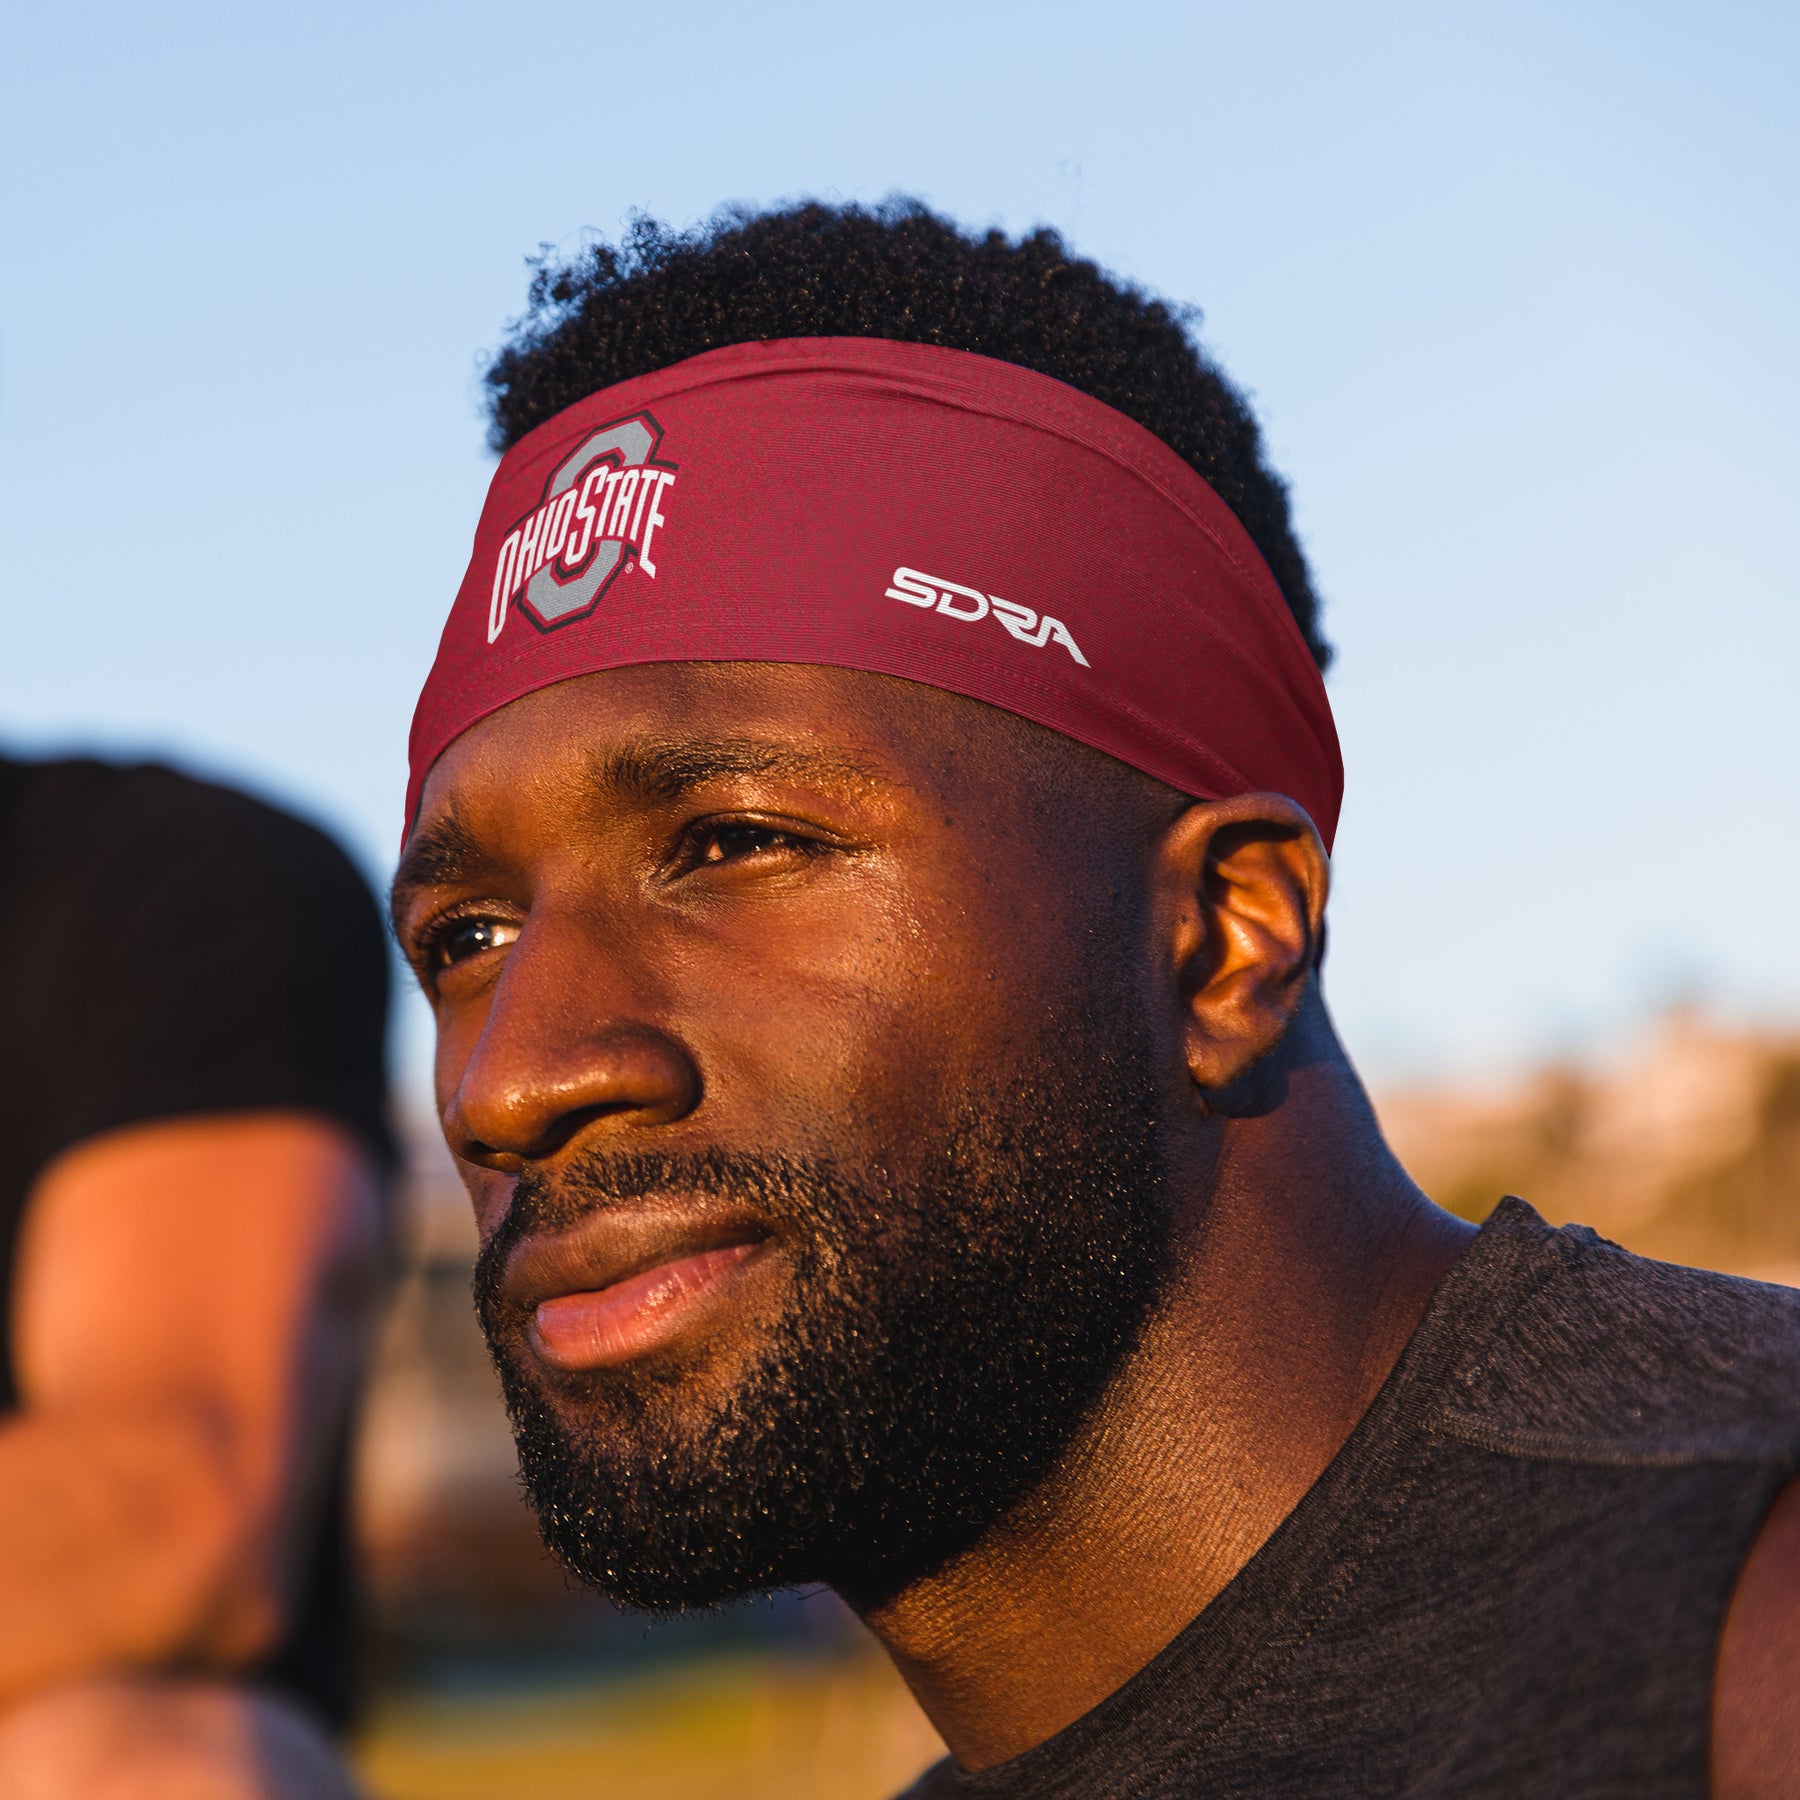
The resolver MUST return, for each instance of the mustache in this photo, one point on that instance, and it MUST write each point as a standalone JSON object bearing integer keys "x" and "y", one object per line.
{"x": 783, "y": 1188}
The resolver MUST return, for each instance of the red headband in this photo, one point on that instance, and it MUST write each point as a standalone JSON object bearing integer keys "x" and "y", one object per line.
{"x": 899, "y": 508}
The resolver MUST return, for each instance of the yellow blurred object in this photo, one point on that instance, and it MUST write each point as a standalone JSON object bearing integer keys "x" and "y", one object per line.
{"x": 743, "y": 1727}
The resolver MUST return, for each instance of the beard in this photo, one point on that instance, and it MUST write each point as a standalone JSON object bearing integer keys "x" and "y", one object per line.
{"x": 944, "y": 1338}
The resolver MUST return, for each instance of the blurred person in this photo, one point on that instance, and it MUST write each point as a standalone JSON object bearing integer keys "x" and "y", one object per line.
{"x": 193, "y": 999}
{"x": 867, "y": 854}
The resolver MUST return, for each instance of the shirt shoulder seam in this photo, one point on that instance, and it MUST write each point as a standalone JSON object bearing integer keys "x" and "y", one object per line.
{"x": 1528, "y": 1444}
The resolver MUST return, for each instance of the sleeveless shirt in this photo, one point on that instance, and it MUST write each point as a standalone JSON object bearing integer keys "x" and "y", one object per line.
{"x": 1509, "y": 1581}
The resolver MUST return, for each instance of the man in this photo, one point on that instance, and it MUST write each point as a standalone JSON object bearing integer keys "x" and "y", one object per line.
{"x": 867, "y": 855}
{"x": 193, "y": 989}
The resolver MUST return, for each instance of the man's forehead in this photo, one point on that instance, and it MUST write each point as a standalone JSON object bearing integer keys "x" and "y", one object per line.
{"x": 650, "y": 731}
{"x": 644, "y": 736}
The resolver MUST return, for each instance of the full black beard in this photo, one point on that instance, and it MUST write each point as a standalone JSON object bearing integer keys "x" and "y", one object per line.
{"x": 944, "y": 1341}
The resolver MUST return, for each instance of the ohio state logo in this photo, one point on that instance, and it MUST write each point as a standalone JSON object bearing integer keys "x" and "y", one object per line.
{"x": 601, "y": 510}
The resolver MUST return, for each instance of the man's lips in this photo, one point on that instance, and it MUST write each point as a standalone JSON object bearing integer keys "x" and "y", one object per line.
{"x": 623, "y": 1283}
{"x": 614, "y": 1324}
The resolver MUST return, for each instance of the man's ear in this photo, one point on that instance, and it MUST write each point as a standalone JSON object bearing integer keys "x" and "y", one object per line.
{"x": 1241, "y": 888}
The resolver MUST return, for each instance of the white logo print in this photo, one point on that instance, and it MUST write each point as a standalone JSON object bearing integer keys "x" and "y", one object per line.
{"x": 599, "y": 514}
{"x": 968, "y": 604}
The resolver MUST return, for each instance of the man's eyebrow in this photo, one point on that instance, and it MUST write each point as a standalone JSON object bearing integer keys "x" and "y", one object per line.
{"x": 651, "y": 771}
{"x": 655, "y": 771}
{"x": 443, "y": 852}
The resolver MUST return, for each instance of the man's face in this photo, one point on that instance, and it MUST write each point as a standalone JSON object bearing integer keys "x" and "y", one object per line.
{"x": 792, "y": 1037}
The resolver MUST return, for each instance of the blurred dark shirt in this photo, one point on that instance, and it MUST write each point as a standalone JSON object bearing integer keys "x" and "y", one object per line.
{"x": 171, "y": 948}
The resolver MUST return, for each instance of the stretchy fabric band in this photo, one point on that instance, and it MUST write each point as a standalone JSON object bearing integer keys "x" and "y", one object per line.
{"x": 903, "y": 509}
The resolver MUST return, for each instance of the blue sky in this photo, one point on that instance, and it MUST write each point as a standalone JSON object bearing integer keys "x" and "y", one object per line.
{"x": 1513, "y": 289}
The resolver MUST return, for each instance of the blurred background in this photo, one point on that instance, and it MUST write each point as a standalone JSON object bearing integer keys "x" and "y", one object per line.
{"x": 1512, "y": 291}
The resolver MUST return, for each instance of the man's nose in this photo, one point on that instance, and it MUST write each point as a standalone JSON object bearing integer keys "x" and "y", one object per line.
{"x": 567, "y": 1044}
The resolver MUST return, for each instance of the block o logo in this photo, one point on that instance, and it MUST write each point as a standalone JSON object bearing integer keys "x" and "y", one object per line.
{"x": 601, "y": 508}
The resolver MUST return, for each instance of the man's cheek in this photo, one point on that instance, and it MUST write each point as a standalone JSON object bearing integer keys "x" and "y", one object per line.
{"x": 844, "y": 1058}
{"x": 456, "y": 1035}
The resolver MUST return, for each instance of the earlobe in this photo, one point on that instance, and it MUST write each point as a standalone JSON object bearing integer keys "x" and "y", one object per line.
{"x": 1244, "y": 884}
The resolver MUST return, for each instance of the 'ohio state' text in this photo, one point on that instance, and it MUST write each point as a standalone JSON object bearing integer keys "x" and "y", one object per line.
{"x": 609, "y": 506}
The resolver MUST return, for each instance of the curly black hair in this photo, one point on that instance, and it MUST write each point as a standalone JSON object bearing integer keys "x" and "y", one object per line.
{"x": 900, "y": 271}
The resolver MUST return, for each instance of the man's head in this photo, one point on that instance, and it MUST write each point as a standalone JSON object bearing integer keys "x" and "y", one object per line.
{"x": 900, "y": 273}
{"x": 821, "y": 1049}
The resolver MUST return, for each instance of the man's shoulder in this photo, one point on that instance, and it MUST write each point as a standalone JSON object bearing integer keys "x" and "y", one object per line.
{"x": 1596, "y": 1353}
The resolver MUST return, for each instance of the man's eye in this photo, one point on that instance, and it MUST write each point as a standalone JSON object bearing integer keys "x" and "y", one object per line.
{"x": 733, "y": 843}
{"x": 462, "y": 939}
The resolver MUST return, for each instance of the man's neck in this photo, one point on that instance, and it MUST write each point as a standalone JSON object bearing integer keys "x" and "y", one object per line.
{"x": 1299, "y": 1280}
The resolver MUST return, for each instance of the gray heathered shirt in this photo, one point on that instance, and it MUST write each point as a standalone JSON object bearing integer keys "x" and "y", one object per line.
{"x": 1510, "y": 1581}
